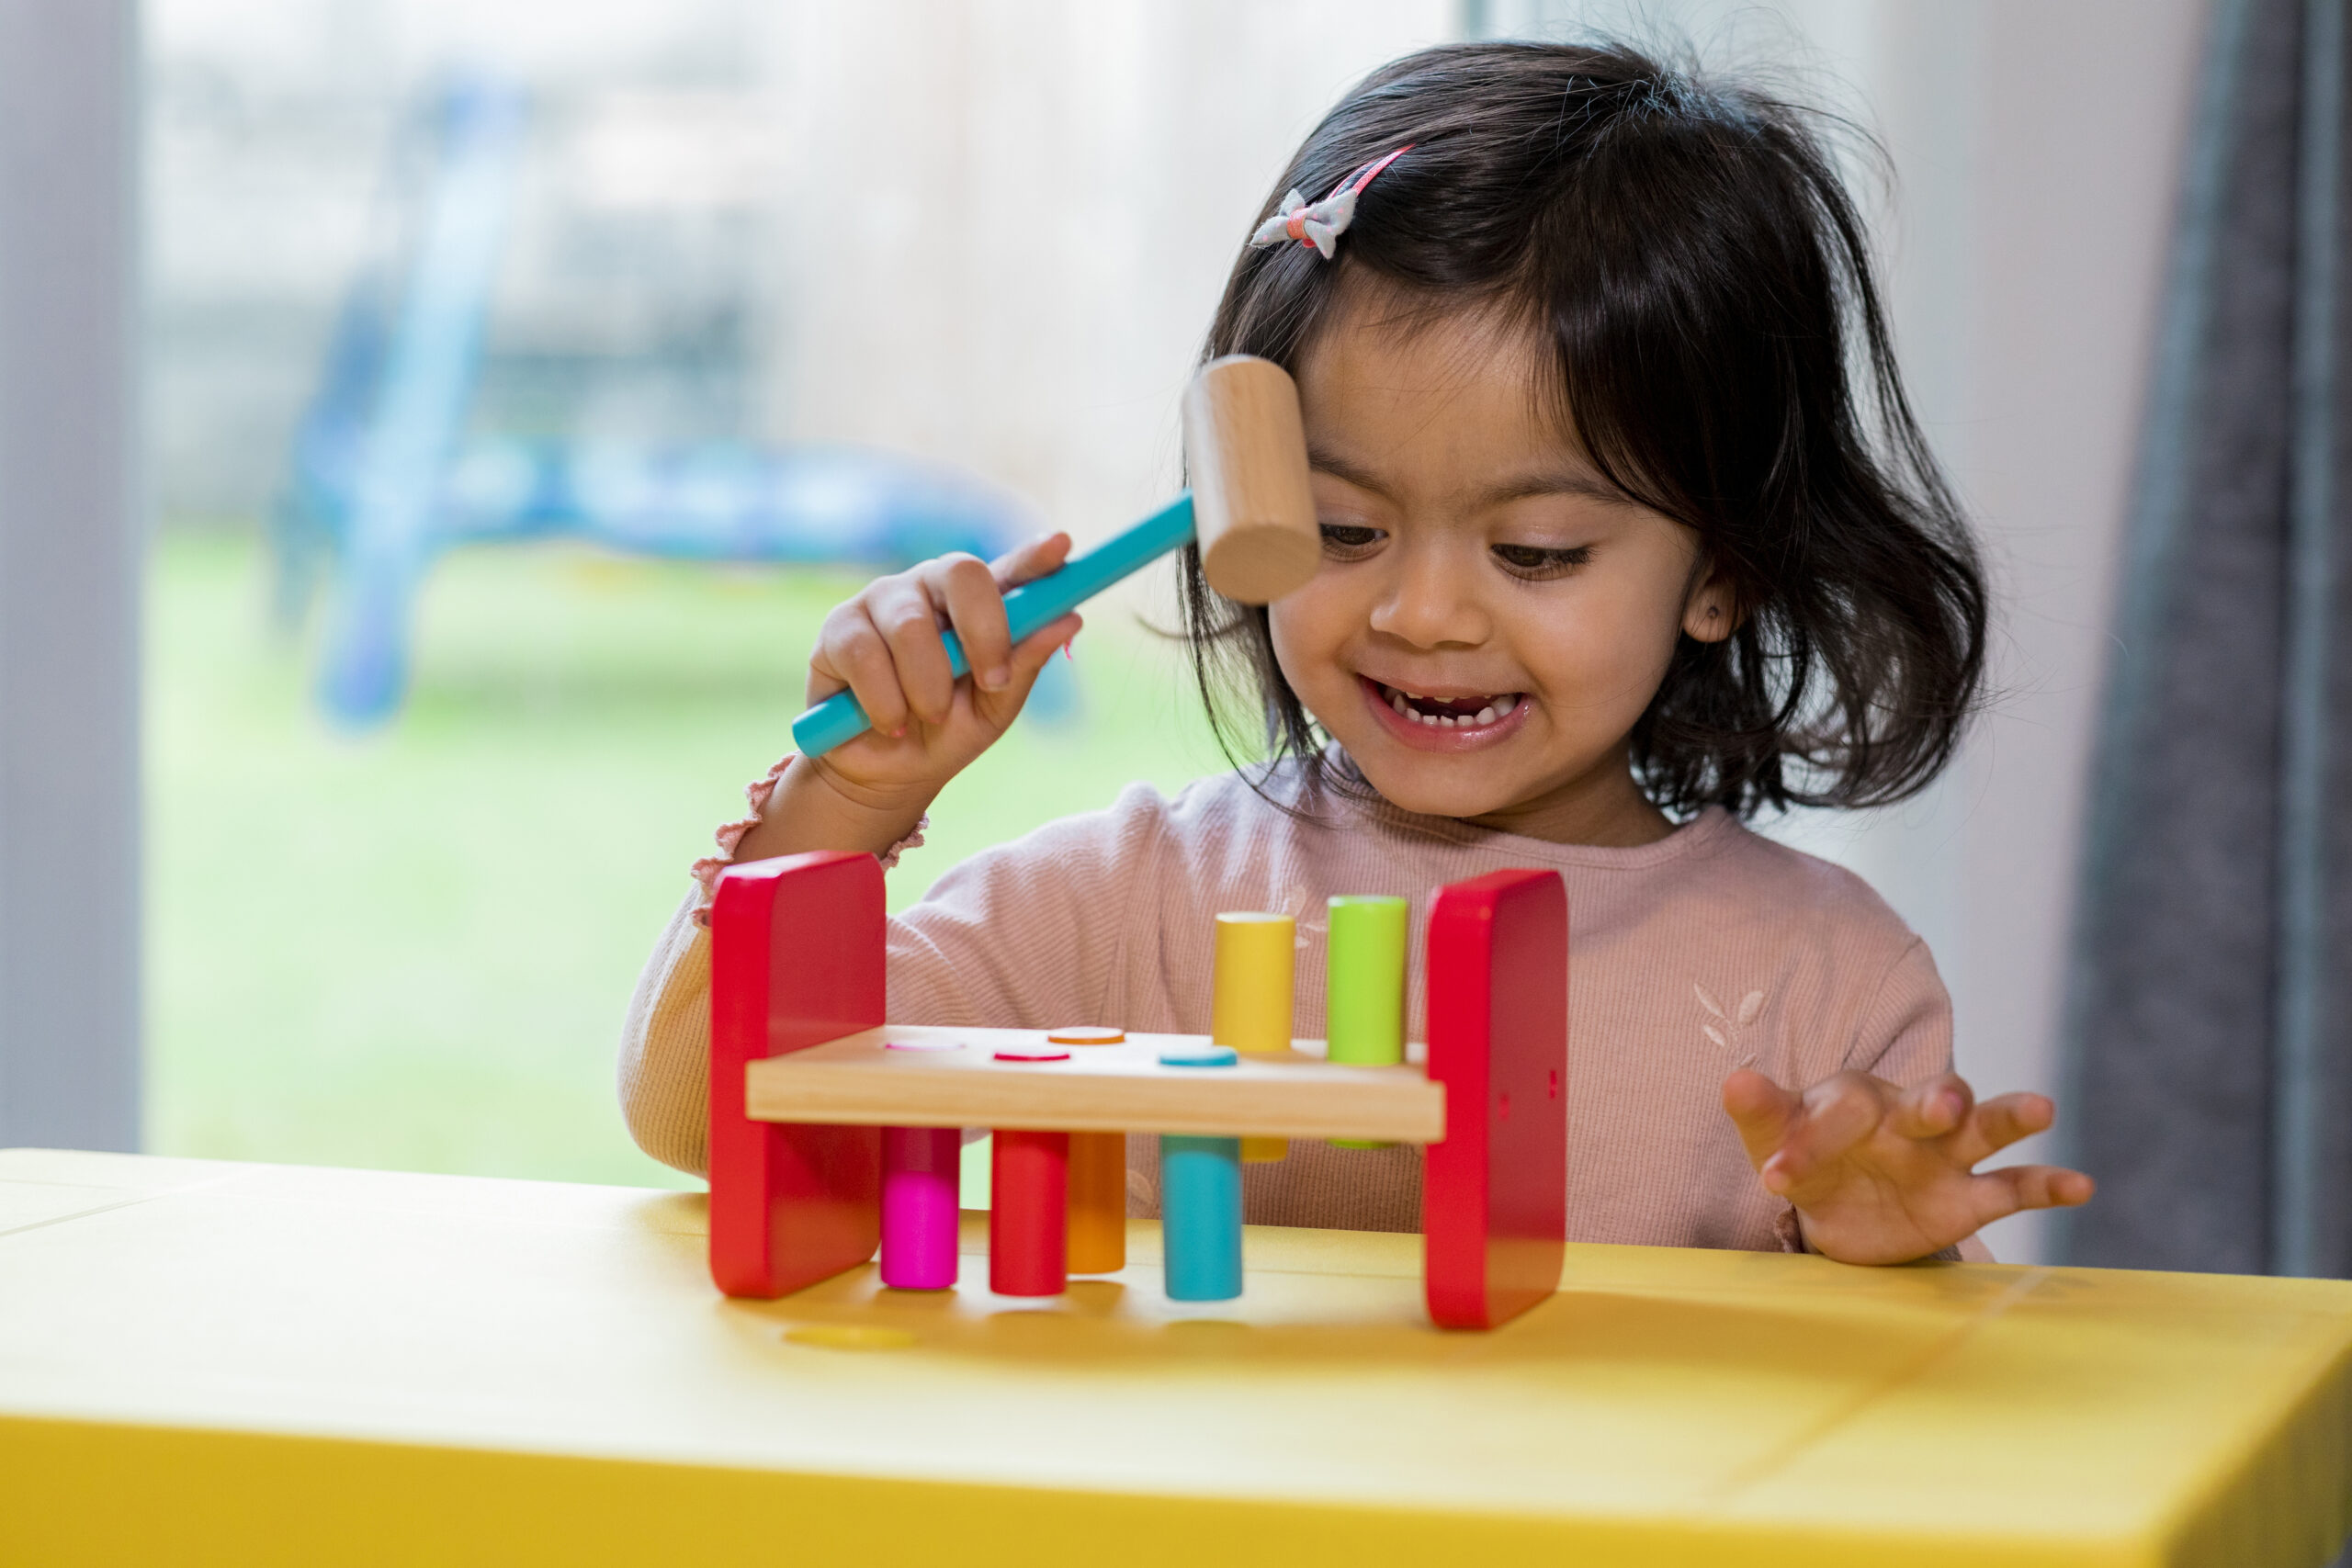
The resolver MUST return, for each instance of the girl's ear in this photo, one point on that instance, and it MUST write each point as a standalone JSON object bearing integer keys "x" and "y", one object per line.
{"x": 1712, "y": 613}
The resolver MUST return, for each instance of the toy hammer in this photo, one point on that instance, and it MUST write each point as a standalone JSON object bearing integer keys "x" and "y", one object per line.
{"x": 1249, "y": 506}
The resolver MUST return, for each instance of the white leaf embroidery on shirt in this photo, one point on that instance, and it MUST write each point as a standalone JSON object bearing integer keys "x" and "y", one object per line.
{"x": 1307, "y": 917}
{"x": 1751, "y": 1006}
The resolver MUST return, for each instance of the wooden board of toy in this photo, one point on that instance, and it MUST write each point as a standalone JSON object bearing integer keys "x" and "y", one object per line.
{"x": 923, "y": 1076}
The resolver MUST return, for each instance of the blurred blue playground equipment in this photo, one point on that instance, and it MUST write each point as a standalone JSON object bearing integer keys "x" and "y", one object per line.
{"x": 387, "y": 473}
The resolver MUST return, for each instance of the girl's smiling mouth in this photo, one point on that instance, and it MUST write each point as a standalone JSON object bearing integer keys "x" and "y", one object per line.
{"x": 1435, "y": 722}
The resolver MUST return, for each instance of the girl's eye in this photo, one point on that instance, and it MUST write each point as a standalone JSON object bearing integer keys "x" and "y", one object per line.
{"x": 1537, "y": 562}
{"x": 1348, "y": 538}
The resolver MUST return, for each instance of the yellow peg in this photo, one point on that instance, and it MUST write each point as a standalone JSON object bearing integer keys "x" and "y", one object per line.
{"x": 1251, "y": 1009}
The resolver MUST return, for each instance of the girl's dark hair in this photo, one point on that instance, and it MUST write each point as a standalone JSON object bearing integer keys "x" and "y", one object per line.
{"x": 1706, "y": 288}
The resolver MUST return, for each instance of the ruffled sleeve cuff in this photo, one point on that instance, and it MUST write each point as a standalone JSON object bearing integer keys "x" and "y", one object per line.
{"x": 730, "y": 835}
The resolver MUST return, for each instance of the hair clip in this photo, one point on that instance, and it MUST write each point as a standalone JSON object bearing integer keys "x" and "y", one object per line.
{"x": 1319, "y": 226}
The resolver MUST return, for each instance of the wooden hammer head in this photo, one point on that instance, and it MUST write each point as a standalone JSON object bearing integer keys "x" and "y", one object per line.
{"x": 1252, "y": 511}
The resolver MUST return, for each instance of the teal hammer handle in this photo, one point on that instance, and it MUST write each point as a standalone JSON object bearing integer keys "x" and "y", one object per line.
{"x": 1026, "y": 609}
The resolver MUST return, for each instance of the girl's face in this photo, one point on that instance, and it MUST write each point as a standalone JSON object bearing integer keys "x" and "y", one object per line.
{"x": 1491, "y": 618}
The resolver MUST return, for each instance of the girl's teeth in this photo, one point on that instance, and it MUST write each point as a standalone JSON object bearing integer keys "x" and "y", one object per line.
{"x": 1501, "y": 708}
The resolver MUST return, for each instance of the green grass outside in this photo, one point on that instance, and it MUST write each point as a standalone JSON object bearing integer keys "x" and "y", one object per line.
{"x": 413, "y": 950}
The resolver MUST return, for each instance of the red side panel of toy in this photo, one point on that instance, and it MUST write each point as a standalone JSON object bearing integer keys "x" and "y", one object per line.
{"x": 797, "y": 958}
{"x": 1494, "y": 1198}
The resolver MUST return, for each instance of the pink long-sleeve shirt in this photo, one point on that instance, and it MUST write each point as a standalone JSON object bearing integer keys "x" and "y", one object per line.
{"x": 1708, "y": 950}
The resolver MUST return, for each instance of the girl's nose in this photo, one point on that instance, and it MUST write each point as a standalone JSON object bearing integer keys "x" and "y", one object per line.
{"x": 1431, "y": 604}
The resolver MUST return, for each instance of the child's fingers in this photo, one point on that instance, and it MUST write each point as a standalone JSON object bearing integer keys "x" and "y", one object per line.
{"x": 1761, "y": 1110}
{"x": 851, "y": 652}
{"x": 1025, "y": 563}
{"x": 2016, "y": 1187}
{"x": 975, "y": 609}
{"x": 1932, "y": 1109}
{"x": 1838, "y": 1113}
{"x": 902, "y": 611}
{"x": 1039, "y": 647}
{"x": 1000, "y": 708}
{"x": 2000, "y": 1122}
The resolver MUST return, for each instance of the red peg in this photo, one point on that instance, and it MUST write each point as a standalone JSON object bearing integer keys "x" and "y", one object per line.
{"x": 1029, "y": 1218}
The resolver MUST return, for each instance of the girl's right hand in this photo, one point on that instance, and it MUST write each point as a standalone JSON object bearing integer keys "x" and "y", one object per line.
{"x": 885, "y": 646}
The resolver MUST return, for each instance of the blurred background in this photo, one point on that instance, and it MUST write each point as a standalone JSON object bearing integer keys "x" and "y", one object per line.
{"x": 707, "y": 239}
{"x": 443, "y": 690}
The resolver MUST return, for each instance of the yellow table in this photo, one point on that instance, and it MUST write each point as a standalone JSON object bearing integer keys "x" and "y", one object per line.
{"x": 205, "y": 1363}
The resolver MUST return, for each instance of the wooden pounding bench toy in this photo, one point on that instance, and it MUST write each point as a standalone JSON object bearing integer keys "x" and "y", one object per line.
{"x": 833, "y": 1131}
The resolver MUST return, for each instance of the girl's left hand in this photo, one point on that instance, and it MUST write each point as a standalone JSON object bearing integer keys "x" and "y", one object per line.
{"x": 1881, "y": 1174}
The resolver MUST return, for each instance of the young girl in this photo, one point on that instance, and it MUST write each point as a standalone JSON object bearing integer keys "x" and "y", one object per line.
{"x": 1628, "y": 534}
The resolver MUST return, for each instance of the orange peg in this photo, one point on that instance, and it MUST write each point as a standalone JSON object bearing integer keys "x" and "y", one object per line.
{"x": 1098, "y": 1202}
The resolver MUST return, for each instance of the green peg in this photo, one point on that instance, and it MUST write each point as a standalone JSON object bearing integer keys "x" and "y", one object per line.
{"x": 1364, "y": 994}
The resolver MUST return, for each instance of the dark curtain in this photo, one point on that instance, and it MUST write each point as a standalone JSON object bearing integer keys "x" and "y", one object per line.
{"x": 2211, "y": 1019}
